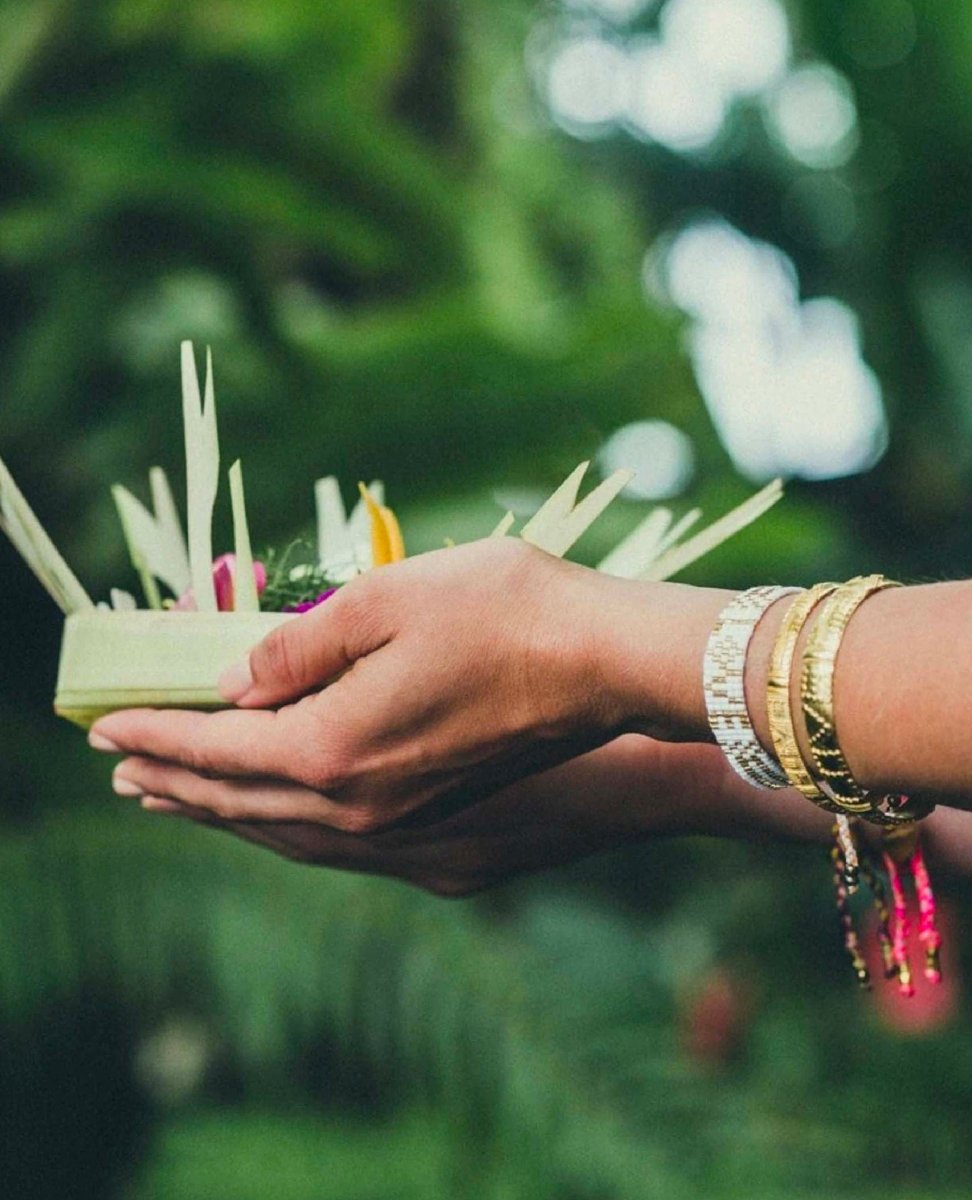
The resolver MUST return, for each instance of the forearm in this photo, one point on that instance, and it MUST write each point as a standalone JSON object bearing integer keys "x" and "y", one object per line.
{"x": 904, "y": 691}
{"x": 903, "y": 700}
{"x": 639, "y": 788}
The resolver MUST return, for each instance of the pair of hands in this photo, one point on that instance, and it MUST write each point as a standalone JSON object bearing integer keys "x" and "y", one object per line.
{"x": 408, "y": 725}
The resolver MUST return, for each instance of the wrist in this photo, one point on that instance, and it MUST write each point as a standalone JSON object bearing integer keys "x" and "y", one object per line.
{"x": 650, "y": 651}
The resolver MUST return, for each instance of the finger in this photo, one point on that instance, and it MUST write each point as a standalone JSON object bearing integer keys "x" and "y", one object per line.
{"x": 302, "y": 655}
{"x": 325, "y": 847}
{"x": 161, "y": 804}
{"x": 257, "y": 835}
{"x": 282, "y": 745}
{"x": 225, "y": 799}
{"x": 187, "y": 797}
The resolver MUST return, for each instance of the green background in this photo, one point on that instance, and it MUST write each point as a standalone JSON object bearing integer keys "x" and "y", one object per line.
{"x": 407, "y": 270}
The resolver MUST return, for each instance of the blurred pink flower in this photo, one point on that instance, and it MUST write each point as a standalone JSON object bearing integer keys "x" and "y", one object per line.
{"x": 933, "y": 1007}
{"x": 224, "y": 577}
{"x": 714, "y": 1015}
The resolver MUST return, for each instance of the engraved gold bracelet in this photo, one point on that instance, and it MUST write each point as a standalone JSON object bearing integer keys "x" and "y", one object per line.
{"x": 817, "y": 696}
{"x": 817, "y": 692}
{"x": 779, "y": 708}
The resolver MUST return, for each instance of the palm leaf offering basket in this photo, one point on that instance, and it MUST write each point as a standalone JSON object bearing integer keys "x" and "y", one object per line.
{"x": 171, "y": 653}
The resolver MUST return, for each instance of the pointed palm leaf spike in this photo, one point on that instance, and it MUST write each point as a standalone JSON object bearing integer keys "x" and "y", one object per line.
{"x": 202, "y": 475}
{"x": 167, "y": 517}
{"x": 387, "y": 545}
{"x": 18, "y": 522}
{"x": 343, "y": 542}
{"x": 640, "y": 547}
{"x": 246, "y": 598}
{"x": 128, "y": 515}
{"x": 677, "y": 558}
{"x": 504, "y": 527}
{"x": 359, "y": 523}
{"x": 678, "y": 531}
{"x": 562, "y": 521}
{"x": 647, "y": 542}
{"x": 156, "y": 542}
{"x": 334, "y": 549}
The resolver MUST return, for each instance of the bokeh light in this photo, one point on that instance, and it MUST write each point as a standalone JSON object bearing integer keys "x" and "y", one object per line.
{"x": 794, "y": 401}
{"x": 586, "y": 81}
{"x": 813, "y": 115}
{"x": 744, "y": 44}
{"x": 785, "y": 382}
{"x": 670, "y": 100}
{"x": 721, "y": 277}
{"x": 661, "y": 456}
{"x": 677, "y": 87}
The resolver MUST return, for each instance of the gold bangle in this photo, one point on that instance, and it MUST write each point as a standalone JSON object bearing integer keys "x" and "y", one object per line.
{"x": 817, "y": 694}
{"x": 779, "y": 708}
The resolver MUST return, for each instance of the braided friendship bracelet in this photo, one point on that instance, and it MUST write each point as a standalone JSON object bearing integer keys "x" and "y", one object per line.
{"x": 724, "y": 682}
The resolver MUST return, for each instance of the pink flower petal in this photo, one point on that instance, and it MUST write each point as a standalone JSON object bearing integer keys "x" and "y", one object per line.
{"x": 223, "y": 574}
{"x": 224, "y": 582}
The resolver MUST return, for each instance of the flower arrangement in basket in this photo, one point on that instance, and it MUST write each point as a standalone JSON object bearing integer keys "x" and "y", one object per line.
{"x": 202, "y": 614}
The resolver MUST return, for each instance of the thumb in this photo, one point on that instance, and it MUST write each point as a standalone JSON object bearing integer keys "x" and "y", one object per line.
{"x": 305, "y": 653}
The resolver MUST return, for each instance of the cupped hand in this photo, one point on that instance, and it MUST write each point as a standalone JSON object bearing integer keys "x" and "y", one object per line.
{"x": 631, "y": 789}
{"x": 417, "y": 688}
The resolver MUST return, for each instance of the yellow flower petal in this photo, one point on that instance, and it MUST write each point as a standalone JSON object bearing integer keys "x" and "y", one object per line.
{"x": 387, "y": 544}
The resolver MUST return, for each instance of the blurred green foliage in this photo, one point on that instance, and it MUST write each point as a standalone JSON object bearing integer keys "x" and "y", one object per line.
{"x": 406, "y": 271}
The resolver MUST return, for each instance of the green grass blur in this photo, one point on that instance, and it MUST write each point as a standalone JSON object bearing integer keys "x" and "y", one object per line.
{"x": 406, "y": 270}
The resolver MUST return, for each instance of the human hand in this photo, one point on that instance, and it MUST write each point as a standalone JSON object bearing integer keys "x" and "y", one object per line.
{"x": 626, "y": 791}
{"x": 449, "y": 676}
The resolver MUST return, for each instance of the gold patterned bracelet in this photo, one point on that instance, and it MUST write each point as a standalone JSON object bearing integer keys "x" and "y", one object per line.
{"x": 779, "y": 708}
{"x": 829, "y": 765}
{"x": 817, "y": 693}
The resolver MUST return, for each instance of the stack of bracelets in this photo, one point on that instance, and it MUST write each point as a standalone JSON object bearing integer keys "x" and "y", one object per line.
{"x": 822, "y": 775}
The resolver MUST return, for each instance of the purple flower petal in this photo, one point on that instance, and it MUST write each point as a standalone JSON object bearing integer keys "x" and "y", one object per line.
{"x": 307, "y": 605}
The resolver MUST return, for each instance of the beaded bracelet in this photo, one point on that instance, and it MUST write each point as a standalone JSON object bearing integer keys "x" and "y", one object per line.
{"x": 725, "y": 694}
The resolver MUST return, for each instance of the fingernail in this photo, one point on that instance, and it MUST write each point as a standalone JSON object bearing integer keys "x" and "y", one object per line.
{"x": 160, "y": 805}
{"x": 125, "y": 787}
{"x": 98, "y": 741}
{"x": 236, "y": 681}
